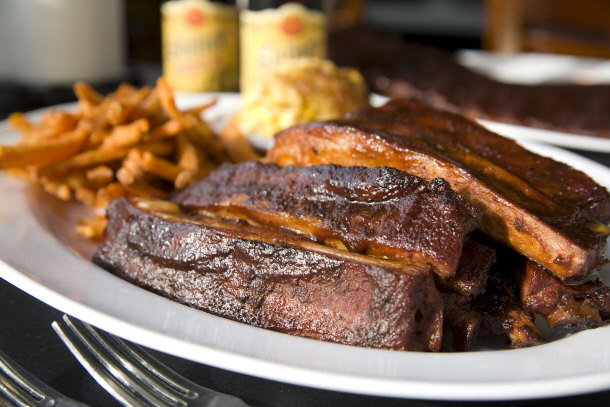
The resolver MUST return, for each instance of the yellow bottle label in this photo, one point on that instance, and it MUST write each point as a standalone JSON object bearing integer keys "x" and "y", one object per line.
{"x": 270, "y": 36}
{"x": 199, "y": 40}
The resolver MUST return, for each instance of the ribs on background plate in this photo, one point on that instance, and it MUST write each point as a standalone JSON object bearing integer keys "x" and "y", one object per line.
{"x": 402, "y": 69}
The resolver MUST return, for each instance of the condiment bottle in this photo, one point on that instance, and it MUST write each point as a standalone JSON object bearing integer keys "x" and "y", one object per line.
{"x": 272, "y": 31}
{"x": 199, "y": 45}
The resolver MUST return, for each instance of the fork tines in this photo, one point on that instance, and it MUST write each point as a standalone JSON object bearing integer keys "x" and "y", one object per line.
{"x": 131, "y": 375}
{"x": 22, "y": 389}
{"x": 16, "y": 388}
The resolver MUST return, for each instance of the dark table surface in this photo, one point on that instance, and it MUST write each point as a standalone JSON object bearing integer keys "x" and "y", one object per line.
{"x": 26, "y": 336}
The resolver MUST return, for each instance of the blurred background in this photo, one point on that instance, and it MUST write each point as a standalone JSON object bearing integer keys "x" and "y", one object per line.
{"x": 46, "y": 45}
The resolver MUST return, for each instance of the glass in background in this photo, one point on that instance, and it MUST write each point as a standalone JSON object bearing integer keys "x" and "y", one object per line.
{"x": 199, "y": 45}
{"x": 272, "y": 31}
{"x": 56, "y": 43}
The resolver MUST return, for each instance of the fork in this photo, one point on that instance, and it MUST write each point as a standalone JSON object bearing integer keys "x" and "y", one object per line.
{"x": 19, "y": 388}
{"x": 131, "y": 375}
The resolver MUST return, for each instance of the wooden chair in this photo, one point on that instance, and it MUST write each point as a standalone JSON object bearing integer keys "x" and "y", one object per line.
{"x": 557, "y": 26}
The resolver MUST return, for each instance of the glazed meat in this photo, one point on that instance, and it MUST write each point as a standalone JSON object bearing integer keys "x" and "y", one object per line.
{"x": 567, "y": 307}
{"x": 471, "y": 274}
{"x": 544, "y": 209}
{"x": 502, "y": 313}
{"x": 381, "y": 212}
{"x": 271, "y": 279}
{"x": 460, "y": 322}
{"x": 461, "y": 319}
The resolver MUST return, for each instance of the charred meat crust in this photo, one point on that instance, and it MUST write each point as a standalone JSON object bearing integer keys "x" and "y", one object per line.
{"x": 501, "y": 313}
{"x": 472, "y": 271}
{"x": 381, "y": 212}
{"x": 270, "y": 279}
{"x": 460, "y": 322}
{"x": 541, "y": 208}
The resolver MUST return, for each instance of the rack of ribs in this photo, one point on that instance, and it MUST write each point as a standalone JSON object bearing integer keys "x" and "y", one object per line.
{"x": 402, "y": 69}
{"x": 546, "y": 210}
{"x": 272, "y": 279}
{"x": 381, "y": 212}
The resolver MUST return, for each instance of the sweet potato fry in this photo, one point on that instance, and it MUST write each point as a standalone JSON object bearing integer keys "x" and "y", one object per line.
{"x": 159, "y": 166}
{"x": 100, "y": 175}
{"x": 85, "y": 159}
{"x": 91, "y": 228}
{"x": 132, "y": 142}
{"x": 197, "y": 110}
{"x": 166, "y": 97}
{"x": 108, "y": 194}
{"x": 42, "y": 152}
{"x": 137, "y": 185}
{"x": 126, "y": 135}
{"x": 238, "y": 148}
{"x": 18, "y": 122}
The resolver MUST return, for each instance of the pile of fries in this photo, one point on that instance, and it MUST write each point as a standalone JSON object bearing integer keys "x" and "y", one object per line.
{"x": 133, "y": 142}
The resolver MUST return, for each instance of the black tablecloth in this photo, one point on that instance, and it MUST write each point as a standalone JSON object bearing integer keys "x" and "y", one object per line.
{"x": 26, "y": 336}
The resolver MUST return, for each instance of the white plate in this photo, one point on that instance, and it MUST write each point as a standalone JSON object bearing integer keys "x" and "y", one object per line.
{"x": 532, "y": 68}
{"x": 516, "y": 132}
{"x": 41, "y": 254}
{"x": 575, "y": 141}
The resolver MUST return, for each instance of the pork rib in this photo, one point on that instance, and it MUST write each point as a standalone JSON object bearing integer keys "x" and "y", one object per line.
{"x": 542, "y": 208}
{"x": 569, "y": 308}
{"x": 402, "y": 69}
{"x": 381, "y": 212}
{"x": 271, "y": 279}
{"x": 473, "y": 268}
{"x": 502, "y": 313}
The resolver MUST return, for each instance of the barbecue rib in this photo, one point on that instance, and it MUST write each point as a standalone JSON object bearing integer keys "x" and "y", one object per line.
{"x": 381, "y": 212}
{"x": 472, "y": 270}
{"x": 461, "y": 319}
{"x": 272, "y": 279}
{"x": 502, "y": 313}
{"x": 544, "y": 209}
{"x": 566, "y": 307}
{"x": 401, "y": 69}
{"x": 460, "y": 322}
